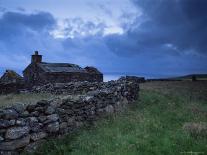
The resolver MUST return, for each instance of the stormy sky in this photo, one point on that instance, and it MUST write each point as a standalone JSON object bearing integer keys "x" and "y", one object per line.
{"x": 152, "y": 38}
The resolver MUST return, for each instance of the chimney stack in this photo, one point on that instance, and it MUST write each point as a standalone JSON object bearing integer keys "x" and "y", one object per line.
{"x": 36, "y": 58}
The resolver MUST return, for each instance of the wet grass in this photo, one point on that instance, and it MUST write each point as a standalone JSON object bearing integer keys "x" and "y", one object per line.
{"x": 152, "y": 125}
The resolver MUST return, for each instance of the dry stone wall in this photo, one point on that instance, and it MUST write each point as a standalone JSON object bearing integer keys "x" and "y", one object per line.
{"x": 25, "y": 127}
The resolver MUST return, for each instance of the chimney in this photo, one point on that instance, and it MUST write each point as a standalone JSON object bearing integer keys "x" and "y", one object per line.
{"x": 36, "y": 58}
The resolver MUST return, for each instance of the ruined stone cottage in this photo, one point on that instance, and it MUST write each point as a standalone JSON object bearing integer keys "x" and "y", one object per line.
{"x": 38, "y": 72}
{"x": 11, "y": 82}
{"x": 11, "y": 76}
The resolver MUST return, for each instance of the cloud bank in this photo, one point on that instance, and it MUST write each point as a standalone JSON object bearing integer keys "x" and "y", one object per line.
{"x": 161, "y": 38}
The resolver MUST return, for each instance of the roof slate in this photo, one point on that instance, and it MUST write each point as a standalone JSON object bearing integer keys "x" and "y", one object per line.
{"x": 61, "y": 67}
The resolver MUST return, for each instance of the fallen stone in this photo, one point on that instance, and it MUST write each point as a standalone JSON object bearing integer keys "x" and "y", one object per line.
{"x": 16, "y": 132}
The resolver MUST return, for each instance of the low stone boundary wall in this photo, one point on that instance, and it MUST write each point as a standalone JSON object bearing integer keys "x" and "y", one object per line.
{"x": 82, "y": 87}
{"x": 6, "y": 88}
{"x": 24, "y": 127}
{"x": 69, "y": 88}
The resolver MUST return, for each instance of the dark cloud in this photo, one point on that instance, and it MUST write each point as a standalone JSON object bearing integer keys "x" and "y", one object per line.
{"x": 169, "y": 38}
{"x": 23, "y": 33}
{"x": 14, "y": 23}
{"x": 179, "y": 23}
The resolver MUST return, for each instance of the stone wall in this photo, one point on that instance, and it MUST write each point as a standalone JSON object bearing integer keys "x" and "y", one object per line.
{"x": 82, "y": 87}
{"x": 24, "y": 127}
{"x": 6, "y": 88}
{"x": 69, "y": 88}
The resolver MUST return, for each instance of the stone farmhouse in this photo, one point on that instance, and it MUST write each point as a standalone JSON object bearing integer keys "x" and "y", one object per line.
{"x": 38, "y": 72}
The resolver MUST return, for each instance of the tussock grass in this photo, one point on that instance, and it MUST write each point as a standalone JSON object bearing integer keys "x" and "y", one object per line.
{"x": 153, "y": 125}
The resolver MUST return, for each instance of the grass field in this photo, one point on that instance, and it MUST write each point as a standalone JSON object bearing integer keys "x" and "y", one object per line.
{"x": 153, "y": 125}
{"x": 25, "y": 98}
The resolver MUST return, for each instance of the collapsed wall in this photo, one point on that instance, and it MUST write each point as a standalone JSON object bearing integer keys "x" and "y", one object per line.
{"x": 24, "y": 127}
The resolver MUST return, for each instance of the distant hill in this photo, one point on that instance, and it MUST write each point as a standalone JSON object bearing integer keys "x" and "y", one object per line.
{"x": 181, "y": 78}
{"x": 190, "y": 76}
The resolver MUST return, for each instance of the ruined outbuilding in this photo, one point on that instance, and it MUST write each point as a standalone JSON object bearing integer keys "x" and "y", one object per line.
{"x": 11, "y": 76}
{"x": 11, "y": 82}
{"x": 39, "y": 73}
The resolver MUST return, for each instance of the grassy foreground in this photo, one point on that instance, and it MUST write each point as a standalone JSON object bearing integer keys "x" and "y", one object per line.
{"x": 153, "y": 125}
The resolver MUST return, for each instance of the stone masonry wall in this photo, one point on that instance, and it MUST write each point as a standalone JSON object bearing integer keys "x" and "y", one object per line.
{"x": 24, "y": 127}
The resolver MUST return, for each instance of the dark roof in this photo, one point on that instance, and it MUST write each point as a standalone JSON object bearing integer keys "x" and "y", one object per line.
{"x": 60, "y": 67}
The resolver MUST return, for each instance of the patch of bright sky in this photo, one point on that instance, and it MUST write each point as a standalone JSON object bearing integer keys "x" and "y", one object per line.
{"x": 109, "y": 12}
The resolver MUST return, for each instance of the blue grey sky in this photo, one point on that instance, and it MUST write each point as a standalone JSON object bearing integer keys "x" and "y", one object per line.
{"x": 137, "y": 37}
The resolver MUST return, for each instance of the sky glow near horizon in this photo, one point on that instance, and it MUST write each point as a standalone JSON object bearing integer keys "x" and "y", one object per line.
{"x": 137, "y": 37}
